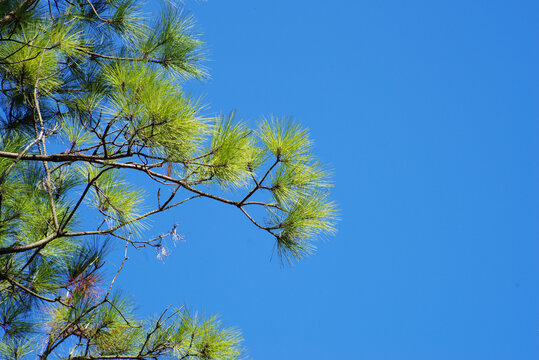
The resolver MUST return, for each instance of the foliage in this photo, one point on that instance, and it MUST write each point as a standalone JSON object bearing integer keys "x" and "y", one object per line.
{"x": 91, "y": 92}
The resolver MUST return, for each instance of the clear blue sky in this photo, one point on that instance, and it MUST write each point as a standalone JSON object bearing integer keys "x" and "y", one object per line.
{"x": 428, "y": 113}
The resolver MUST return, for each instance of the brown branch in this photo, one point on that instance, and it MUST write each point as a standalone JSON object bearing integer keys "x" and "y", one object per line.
{"x": 14, "y": 14}
{"x": 43, "y": 145}
{"x": 17, "y": 249}
{"x": 257, "y": 224}
{"x": 259, "y": 183}
{"x": 63, "y": 157}
{"x": 24, "y": 44}
{"x": 117, "y": 273}
{"x": 31, "y": 292}
{"x": 105, "y": 161}
{"x": 156, "y": 327}
{"x": 107, "y": 21}
{"x": 119, "y": 165}
{"x": 109, "y": 57}
{"x": 111, "y": 357}
{"x": 263, "y": 204}
{"x": 81, "y": 198}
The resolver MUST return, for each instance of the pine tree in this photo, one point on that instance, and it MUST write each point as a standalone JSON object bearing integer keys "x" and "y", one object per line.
{"x": 90, "y": 94}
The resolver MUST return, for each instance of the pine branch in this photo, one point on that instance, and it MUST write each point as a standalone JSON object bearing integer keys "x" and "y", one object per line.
{"x": 14, "y": 14}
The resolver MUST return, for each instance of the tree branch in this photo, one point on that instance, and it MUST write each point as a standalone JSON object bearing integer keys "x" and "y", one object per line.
{"x": 14, "y": 14}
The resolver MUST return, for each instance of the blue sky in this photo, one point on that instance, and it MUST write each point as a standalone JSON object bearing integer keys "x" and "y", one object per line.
{"x": 427, "y": 113}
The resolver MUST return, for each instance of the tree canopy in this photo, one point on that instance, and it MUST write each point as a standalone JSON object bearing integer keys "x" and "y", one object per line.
{"x": 91, "y": 94}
